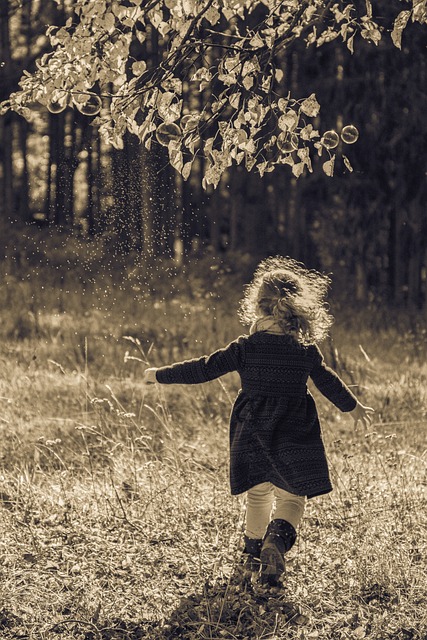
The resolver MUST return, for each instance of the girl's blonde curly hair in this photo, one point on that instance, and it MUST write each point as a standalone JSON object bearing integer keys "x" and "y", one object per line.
{"x": 293, "y": 295}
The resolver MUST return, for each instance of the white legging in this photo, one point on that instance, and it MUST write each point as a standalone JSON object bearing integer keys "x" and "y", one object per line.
{"x": 259, "y": 508}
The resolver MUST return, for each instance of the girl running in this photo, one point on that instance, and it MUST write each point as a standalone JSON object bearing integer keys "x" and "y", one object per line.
{"x": 277, "y": 454}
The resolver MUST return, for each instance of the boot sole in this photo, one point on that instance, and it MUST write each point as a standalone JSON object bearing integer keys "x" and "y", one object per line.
{"x": 272, "y": 563}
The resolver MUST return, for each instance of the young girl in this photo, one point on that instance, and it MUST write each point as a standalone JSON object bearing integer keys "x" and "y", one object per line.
{"x": 276, "y": 449}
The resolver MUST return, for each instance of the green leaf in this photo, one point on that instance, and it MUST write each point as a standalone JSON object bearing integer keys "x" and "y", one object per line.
{"x": 261, "y": 168}
{"x": 248, "y": 82}
{"x": 279, "y": 75}
{"x": 108, "y": 22}
{"x": 251, "y": 66}
{"x": 370, "y": 31}
{"x": 250, "y": 162}
{"x": 146, "y": 128}
{"x": 347, "y": 163}
{"x": 169, "y": 110}
{"x": 308, "y": 132}
{"x": 190, "y": 7}
{"x": 328, "y": 167}
{"x": 201, "y": 74}
{"x": 350, "y": 43}
{"x": 288, "y": 121}
{"x": 248, "y": 146}
{"x": 139, "y": 67}
{"x": 212, "y": 15}
{"x": 186, "y": 170}
{"x": 234, "y": 100}
{"x": 298, "y": 169}
{"x": 310, "y": 106}
{"x": 175, "y": 157}
{"x": 419, "y": 11}
{"x": 304, "y": 155}
{"x": 256, "y": 42}
{"x": 398, "y": 27}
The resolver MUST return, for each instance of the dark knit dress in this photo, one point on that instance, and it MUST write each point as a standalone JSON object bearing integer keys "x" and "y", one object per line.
{"x": 275, "y": 433}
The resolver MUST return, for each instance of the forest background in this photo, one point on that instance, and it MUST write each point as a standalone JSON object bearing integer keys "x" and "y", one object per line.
{"x": 116, "y": 522}
{"x": 368, "y": 225}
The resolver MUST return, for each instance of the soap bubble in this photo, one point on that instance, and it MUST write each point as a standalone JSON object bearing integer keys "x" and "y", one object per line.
{"x": 56, "y": 107}
{"x": 58, "y": 103}
{"x": 349, "y": 134}
{"x": 287, "y": 143}
{"x": 167, "y": 132}
{"x": 330, "y": 139}
{"x": 89, "y": 104}
{"x": 189, "y": 122}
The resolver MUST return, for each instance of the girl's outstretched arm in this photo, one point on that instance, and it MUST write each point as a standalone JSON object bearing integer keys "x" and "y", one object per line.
{"x": 149, "y": 376}
{"x": 330, "y": 384}
{"x": 362, "y": 414}
{"x": 333, "y": 388}
{"x": 199, "y": 370}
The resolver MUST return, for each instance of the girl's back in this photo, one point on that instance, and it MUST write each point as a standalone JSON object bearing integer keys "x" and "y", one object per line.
{"x": 276, "y": 365}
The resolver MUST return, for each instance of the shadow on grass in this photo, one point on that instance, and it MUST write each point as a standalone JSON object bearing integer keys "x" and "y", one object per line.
{"x": 236, "y": 608}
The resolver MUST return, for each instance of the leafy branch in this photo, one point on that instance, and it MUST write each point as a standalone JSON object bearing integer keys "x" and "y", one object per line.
{"x": 247, "y": 116}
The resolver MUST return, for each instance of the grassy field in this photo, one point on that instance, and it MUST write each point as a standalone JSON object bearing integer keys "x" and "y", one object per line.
{"x": 116, "y": 519}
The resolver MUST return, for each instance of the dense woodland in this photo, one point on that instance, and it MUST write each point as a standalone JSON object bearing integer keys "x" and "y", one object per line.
{"x": 369, "y": 224}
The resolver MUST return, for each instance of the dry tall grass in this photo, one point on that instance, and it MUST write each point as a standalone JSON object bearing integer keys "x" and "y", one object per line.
{"x": 116, "y": 517}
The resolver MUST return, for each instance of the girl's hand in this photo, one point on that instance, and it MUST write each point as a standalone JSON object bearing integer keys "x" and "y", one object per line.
{"x": 149, "y": 376}
{"x": 362, "y": 414}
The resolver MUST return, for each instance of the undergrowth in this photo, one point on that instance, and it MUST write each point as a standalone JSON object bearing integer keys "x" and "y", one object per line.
{"x": 116, "y": 519}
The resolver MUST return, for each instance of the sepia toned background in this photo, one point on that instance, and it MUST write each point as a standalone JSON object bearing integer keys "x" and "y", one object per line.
{"x": 116, "y": 521}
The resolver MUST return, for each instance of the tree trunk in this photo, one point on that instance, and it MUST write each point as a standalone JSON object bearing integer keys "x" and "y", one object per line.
{"x": 24, "y": 211}
{"x": 215, "y": 209}
{"x": 24, "y": 191}
{"x": 415, "y": 253}
{"x": 56, "y": 161}
{"x": 236, "y": 210}
{"x": 6, "y": 121}
{"x": 90, "y": 178}
{"x": 394, "y": 252}
{"x": 188, "y": 221}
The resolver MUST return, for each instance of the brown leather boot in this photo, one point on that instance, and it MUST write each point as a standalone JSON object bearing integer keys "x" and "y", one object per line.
{"x": 251, "y": 554}
{"x": 279, "y": 538}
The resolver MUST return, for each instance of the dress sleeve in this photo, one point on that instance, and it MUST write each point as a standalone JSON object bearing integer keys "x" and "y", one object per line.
{"x": 205, "y": 368}
{"x": 330, "y": 384}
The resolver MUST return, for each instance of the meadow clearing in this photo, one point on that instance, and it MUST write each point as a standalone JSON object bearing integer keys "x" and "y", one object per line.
{"x": 116, "y": 519}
